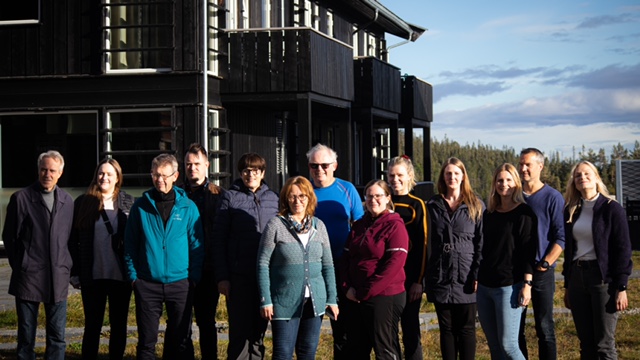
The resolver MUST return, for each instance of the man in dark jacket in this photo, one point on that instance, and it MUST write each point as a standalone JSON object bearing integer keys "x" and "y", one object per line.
{"x": 36, "y": 236}
{"x": 207, "y": 197}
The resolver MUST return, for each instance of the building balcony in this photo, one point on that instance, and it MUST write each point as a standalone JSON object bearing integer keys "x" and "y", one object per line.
{"x": 287, "y": 60}
{"x": 378, "y": 85}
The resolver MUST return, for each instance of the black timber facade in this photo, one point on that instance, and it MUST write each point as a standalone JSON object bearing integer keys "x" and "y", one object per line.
{"x": 287, "y": 74}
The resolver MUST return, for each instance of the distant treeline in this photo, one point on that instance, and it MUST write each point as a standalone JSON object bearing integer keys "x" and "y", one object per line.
{"x": 481, "y": 160}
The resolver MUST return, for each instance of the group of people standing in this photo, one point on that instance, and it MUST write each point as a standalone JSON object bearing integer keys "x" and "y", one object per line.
{"x": 498, "y": 260}
{"x": 315, "y": 250}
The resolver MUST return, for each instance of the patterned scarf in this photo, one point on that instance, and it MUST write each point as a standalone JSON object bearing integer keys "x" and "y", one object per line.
{"x": 301, "y": 228}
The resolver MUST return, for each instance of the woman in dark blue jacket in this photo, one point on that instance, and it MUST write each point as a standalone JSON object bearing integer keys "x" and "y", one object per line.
{"x": 246, "y": 208}
{"x": 597, "y": 261}
{"x": 456, "y": 246}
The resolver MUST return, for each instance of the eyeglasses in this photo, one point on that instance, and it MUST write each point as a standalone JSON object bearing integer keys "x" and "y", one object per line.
{"x": 301, "y": 197}
{"x": 374, "y": 196}
{"x": 315, "y": 166}
{"x": 164, "y": 177}
{"x": 248, "y": 171}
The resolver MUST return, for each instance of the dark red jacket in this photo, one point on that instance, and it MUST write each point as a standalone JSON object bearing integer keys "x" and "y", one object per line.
{"x": 374, "y": 257}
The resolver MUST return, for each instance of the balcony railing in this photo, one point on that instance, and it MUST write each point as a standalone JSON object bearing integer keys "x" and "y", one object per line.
{"x": 378, "y": 84}
{"x": 417, "y": 99}
{"x": 287, "y": 60}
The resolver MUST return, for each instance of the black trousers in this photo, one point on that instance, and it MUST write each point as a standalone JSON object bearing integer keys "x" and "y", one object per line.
{"x": 246, "y": 326}
{"x": 339, "y": 328}
{"x": 94, "y": 302}
{"x": 411, "y": 334}
{"x": 373, "y": 324}
{"x": 205, "y": 304}
{"x": 457, "y": 324}
{"x": 150, "y": 298}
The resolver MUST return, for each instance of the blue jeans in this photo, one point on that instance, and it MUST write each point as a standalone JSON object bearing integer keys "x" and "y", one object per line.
{"x": 301, "y": 334}
{"x": 56, "y": 315}
{"x": 544, "y": 286}
{"x": 500, "y": 313}
{"x": 593, "y": 307}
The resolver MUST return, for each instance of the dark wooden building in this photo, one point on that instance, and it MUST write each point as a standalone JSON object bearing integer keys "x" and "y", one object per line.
{"x": 133, "y": 79}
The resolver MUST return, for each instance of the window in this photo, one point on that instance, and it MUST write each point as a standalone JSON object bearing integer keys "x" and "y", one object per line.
{"x": 19, "y": 12}
{"x": 135, "y": 137}
{"x": 213, "y": 30}
{"x": 138, "y": 35}
{"x": 372, "y": 46}
{"x": 266, "y": 13}
{"x": 330, "y": 23}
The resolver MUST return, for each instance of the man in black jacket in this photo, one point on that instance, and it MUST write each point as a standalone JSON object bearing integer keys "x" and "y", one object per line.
{"x": 36, "y": 236}
{"x": 207, "y": 197}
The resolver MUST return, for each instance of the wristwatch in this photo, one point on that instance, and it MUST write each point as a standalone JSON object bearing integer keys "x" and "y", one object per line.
{"x": 544, "y": 264}
{"x": 529, "y": 282}
{"x": 622, "y": 287}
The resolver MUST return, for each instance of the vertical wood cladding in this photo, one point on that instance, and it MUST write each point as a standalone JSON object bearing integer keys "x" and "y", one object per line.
{"x": 297, "y": 61}
{"x": 378, "y": 84}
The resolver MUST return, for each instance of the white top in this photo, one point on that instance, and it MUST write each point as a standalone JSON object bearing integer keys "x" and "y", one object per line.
{"x": 583, "y": 232}
{"x": 304, "y": 239}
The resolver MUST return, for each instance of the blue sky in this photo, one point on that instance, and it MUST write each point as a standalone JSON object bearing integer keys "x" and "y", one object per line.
{"x": 550, "y": 74}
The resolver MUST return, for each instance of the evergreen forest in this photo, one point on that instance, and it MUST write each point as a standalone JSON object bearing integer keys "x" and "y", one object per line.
{"x": 481, "y": 160}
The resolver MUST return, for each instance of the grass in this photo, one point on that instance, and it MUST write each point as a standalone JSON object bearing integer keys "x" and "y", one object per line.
{"x": 627, "y": 340}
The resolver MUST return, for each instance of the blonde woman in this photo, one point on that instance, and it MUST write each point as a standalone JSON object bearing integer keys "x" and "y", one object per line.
{"x": 456, "y": 245}
{"x": 508, "y": 253}
{"x": 597, "y": 261}
{"x": 414, "y": 214}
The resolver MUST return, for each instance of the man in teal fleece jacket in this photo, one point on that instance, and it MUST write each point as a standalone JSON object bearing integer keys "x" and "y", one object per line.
{"x": 164, "y": 256}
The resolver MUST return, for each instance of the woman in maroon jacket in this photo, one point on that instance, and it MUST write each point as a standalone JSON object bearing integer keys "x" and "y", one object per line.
{"x": 373, "y": 277}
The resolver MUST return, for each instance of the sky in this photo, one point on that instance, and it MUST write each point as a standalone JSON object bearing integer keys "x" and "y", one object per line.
{"x": 556, "y": 75}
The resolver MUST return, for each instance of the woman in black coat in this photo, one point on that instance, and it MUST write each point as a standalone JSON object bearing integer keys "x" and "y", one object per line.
{"x": 98, "y": 263}
{"x": 452, "y": 271}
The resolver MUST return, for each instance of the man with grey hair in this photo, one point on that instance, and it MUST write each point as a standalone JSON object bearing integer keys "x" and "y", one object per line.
{"x": 339, "y": 205}
{"x": 36, "y": 236}
{"x": 164, "y": 257}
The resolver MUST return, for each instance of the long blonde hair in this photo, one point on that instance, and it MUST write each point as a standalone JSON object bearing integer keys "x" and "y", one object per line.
{"x": 516, "y": 197}
{"x": 467, "y": 195}
{"x": 573, "y": 197}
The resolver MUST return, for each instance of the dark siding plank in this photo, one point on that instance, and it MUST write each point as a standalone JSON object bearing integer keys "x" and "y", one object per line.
{"x": 249, "y": 63}
{"x": 263, "y": 76}
{"x": 277, "y": 61}
{"x": 255, "y": 13}
{"x": 19, "y": 58}
{"x": 46, "y": 42}
{"x": 235, "y": 62}
{"x": 304, "y": 60}
{"x": 6, "y": 53}
{"x": 31, "y": 51}
{"x": 290, "y": 61}
{"x": 59, "y": 45}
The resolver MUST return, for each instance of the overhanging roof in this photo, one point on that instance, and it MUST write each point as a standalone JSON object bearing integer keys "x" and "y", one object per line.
{"x": 386, "y": 19}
